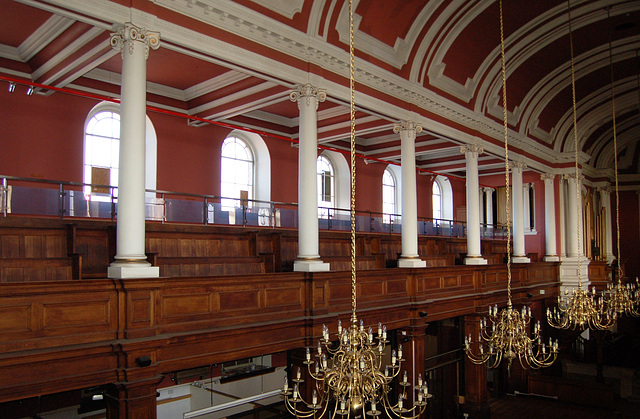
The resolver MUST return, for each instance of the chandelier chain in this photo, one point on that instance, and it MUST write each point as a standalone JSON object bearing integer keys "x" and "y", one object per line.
{"x": 352, "y": 207}
{"x": 615, "y": 150}
{"x": 509, "y": 334}
{"x": 506, "y": 154}
{"x": 575, "y": 142}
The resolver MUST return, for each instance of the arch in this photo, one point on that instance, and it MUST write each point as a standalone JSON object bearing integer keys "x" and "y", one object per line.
{"x": 262, "y": 163}
{"x": 446, "y": 194}
{"x": 151, "y": 150}
{"x": 391, "y": 192}
{"x": 341, "y": 179}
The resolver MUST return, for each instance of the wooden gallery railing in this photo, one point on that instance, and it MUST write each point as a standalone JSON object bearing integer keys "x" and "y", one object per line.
{"x": 63, "y": 335}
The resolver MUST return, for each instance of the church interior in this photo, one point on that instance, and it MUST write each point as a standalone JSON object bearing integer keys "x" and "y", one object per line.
{"x": 202, "y": 201}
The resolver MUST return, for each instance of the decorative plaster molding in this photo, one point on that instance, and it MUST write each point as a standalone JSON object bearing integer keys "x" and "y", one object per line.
{"x": 131, "y": 35}
{"x": 412, "y": 127}
{"x": 286, "y": 8}
{"x": 471, "y": 148}
{"x": 41, "y": 37}
{"x": 307, "y": 91}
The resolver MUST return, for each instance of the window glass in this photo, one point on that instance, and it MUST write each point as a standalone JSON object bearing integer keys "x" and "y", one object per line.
{"x": 388, "y": 196}
{"x": 102, "y": 148}
{"x": 236, "y": 172}
{"x": 437, "y": 201}
{"x": 325, "y": 186}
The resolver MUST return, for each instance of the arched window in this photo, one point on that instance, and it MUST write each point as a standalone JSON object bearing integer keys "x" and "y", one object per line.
{"x": 101, "y": 154}
{"x": 437, "y": 201}
{"x": 442, "y": 198}
{"x": 326, "y": 186}
{"x": 237, "y": 174}
{"x": 389, "y": 196}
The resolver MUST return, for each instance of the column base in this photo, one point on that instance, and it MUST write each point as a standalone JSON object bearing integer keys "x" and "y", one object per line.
{"x": 569, "y": 273}
{"x": 520, "y": 259}
{"x": 551, "y": 259}
{"x": 411, "y": 263}
{"x": 310, "y": 265}
{"x": 475, "y": 260}
{"x": 142, "y": 269}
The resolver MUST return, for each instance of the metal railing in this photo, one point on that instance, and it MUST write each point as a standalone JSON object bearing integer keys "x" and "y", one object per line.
{"x": 51, "y": 198}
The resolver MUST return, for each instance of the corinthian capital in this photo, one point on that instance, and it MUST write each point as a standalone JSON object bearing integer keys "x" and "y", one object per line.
{"x": 130, "y": 34}
{"x": 547, "y": 176}
{"x": 471, "y": 148}
{"x": 308, "y": 91}
{"x": 407, "y": 126}
{"x": 519, "y": 165}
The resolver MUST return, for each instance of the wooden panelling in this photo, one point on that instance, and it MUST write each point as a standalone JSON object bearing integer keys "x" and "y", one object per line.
{"x": 38, "y": 316}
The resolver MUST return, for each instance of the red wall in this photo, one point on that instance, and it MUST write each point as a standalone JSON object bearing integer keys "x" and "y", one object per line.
{"x": 629, "y": 232}
{"x": 42, "y": 136}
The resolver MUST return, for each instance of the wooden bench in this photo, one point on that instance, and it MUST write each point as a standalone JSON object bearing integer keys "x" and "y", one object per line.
{"x": 212, "y": 266}
{"x": 36, "y": 269}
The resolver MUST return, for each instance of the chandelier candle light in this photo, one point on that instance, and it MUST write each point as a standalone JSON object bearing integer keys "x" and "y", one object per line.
{"x": 582, "y": 308}
{"x": 508, "y": 337}
{"x": 348, "y": 370}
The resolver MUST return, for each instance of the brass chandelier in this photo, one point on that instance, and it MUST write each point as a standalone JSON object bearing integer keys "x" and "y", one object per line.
{"x": 583, "y": 308}
{"x": 347, "y": 369}
{"x": 620, "y": 299}
{"x": 508, "y": 337}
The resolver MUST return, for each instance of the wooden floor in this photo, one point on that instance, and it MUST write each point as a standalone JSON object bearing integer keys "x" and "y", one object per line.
{"x": 523, "y": 407}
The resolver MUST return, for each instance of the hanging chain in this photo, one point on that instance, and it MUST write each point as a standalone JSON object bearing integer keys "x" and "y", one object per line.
{"x": 575, "y": 141}
{"x": 353, "y": 165}
{"x": 615, "y": 148}
{"x": 506, "y": 155}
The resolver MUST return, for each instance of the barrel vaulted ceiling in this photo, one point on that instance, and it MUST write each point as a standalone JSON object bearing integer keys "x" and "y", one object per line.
{"x": 432, "y": 61}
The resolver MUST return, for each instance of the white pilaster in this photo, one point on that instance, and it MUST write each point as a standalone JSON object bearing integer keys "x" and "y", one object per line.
{"x": 474, "y": 253}
{"x": 489, "y": 200}
{"x": 605, "y": 201}
{"x": 519, "y": 253}
{"x": 549, "y": 218}
{"x": 526, "y": 207}
{"x": 307, "y": 98}
{"x": 562, "y": 228}
{"x": 481, "y": 205}
{"x": 409, "y": 257}
{"x": 130, "y": 260}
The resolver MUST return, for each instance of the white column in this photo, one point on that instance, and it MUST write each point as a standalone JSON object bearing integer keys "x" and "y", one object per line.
{"x": 489, "y": 198}
{"x": 130, "y": 260}
{"x": 519, "y": 253}
{"x": 605, "y": 202}
{"x": 307, "y": 97}
{"x": 409, "y": 257}
{"x": 549, "y": 218}
{"x": 474, "y": 253}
